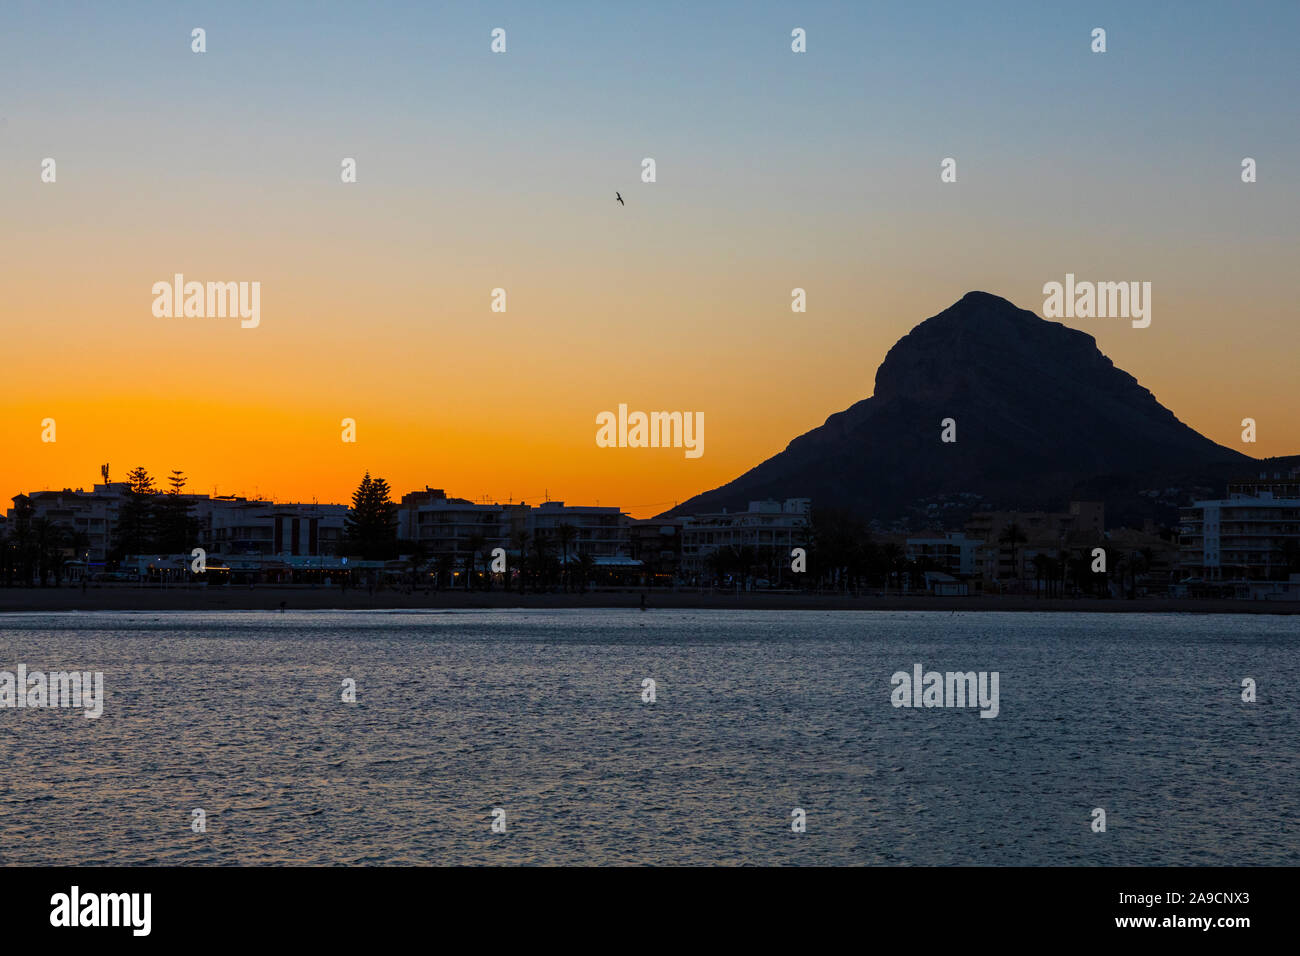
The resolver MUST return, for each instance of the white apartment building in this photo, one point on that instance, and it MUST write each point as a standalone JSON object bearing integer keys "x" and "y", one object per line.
{"x": 771, "y": 527}
{"x": 1252, "y": 535}
{"x": 456, "y": 526}
{"x": 452, "y": 527}
{"x": 951, "y": 552}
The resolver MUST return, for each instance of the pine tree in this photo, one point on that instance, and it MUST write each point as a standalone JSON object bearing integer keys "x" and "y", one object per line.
{"x": 136, "y": 520}
{"x": 370, "y": 528}
{"x": 177, "y": 529}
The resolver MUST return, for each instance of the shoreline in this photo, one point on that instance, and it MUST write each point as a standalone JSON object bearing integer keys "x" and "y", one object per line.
{"x": 268, "y": 598}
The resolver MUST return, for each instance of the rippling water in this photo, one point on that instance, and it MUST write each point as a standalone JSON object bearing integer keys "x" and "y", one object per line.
{"x": 540, "y": 713}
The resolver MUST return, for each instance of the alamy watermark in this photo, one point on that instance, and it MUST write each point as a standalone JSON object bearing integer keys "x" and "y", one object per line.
{"x": 215, "y": 300}
{"x": 651, "y": 430}
{"x": 1100, "y": 300}
{"x": 951, "y": 689}
{"x": 75, "y": 908}
{"x": 58, "y": 689}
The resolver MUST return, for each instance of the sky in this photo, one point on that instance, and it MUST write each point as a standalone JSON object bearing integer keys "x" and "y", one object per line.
{"x": 479, "y": 170}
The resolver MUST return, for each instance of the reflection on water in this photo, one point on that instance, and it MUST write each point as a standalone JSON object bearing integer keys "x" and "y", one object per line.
{"x": 756, "y": 713}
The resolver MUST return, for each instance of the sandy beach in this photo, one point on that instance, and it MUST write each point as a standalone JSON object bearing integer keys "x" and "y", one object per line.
{"x": 180, "y": 598}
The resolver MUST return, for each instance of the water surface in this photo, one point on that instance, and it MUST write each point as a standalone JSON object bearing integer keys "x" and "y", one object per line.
{"x": 757, "y": 713}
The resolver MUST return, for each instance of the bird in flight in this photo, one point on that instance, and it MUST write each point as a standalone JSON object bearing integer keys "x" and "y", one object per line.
{"x": 619, "y": 197}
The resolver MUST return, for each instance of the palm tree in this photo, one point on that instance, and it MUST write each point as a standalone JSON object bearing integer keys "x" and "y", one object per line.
{"x": 746, "y": 558}
{"x": 488, "y": 574}
{"x": 1118, "y": 568}
{"x": 443, "y": 568}
{"x": 586, "y": 564}
{"x": 542, "y": 550}
{"x": 773, "y": 566}
{"x": 718, "y": 561}
{"x": 1148, "y": 560}
{"x": 1085, "y": 579}
{"x": 1013, "y": 535}
{"x": 520, "y": 541}
{"x": 22, "y": 538}
{"x": 79, "y": 542}
{"x": 1099, "y": 581}
{"x": 923, "y": 564}
{"x": 1138, "y": 564}
{"x": 1062, "y": 569}
{"x": 45, "y": 537}
{"x": 416, "y": 560}
{"x": 476, "y": 542}
{"x": 64, "y": 542}
{"x": 1040, "y": 572}
{"x": 892, "y": 557}
{"x": 566, "y": 533}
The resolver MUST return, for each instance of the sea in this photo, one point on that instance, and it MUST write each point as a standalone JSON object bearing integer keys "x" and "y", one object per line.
{"x": 663, "y": 737}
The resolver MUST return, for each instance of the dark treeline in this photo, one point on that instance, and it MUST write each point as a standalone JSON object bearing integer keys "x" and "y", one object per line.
{"x": 153, "y": 520}
{"x": 841, "y": 555}
{"x": 537, "y": 563}
{"x": 540, "y": 562}
{"x": 34, "y": 549}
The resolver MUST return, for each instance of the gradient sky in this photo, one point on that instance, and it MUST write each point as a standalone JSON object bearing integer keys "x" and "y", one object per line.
{"x": 477, "y": 170}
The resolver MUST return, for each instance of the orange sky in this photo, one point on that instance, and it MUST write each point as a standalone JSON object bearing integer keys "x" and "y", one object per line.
{"x": 445, "y": 393}
{"x": 618, "y": 306}
{"x": 476, "y": 173}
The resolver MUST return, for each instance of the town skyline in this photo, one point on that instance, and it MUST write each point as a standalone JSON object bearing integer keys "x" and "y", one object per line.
{"x": 47, "y": 437}
{"x": 477, "y": 171}
{"x": 160, "y": 477}
{"x": 136, "y": 530}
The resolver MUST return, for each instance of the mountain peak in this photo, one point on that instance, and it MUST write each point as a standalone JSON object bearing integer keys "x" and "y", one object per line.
{"x": 1039, "y": 409}
{"x": 978, "y": 297}
{"x": 984, "y": 335}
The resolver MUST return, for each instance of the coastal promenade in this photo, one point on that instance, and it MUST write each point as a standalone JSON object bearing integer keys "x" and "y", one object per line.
{"x": 264, "y": 598}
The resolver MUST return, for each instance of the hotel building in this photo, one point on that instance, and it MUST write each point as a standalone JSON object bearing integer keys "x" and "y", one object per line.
{"x": 772, "y": 528}
{"x": 1248, "y": 542}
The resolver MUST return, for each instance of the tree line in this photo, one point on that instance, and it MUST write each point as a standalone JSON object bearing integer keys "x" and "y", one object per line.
{"x": 34, "y": 548}
{"x": 542, "y": 562}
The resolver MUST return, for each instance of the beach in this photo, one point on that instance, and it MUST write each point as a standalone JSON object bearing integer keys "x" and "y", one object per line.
{"x": 263, "y": 598}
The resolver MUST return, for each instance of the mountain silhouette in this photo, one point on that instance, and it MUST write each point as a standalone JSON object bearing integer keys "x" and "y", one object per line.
{"x": 1042, "y": 416}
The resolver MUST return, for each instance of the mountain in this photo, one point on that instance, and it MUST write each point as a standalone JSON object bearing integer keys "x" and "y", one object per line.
{"x": 1041, "y": 414}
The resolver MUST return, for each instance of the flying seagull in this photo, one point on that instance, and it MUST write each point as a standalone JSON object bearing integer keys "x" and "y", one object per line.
{"x": 619, "y": 197}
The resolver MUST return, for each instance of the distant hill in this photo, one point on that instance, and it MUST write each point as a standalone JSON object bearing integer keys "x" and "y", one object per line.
{"x": 1042, "y": 416}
